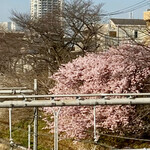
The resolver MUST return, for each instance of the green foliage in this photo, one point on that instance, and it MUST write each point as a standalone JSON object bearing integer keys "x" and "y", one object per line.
{"x": 45, "y": 139}
{"x": 122, "y": 143}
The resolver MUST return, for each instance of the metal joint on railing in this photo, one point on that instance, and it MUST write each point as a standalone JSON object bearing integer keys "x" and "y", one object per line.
{"x": 106, "y": 98}
{"x": 131, "y": 97}
{"x": 25, "y": 99}
{"x": 53, "y": 104}
{"x": 96, "y": 103}
{"x": 13, "y": 91}
{"x": 53, "y": 98}
{"x": 77, "y": 97}
{"x": 11, "y": 105}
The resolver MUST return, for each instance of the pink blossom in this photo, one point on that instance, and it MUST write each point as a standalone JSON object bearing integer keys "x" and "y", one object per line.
{"x": 122, "y": 70}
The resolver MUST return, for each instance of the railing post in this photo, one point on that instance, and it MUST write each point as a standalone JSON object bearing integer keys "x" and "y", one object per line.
{"x": 94, "y": 113}
{"x": 35, "y": 142}
{"x": 29, "y": 136}
{"x": 10, "y": 130}
{"x": 56, "y": 115}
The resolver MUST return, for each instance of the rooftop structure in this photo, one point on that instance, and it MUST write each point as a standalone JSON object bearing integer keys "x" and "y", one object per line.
{"x": 128, "y": 22}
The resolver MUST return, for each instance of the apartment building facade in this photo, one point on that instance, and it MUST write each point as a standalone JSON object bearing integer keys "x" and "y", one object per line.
{"x": 39, "y": 8}
{"x": 9, "y": 27}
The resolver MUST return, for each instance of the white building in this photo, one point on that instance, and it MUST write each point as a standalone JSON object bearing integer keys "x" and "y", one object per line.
{"x": 126, "y": 30}
{"x": 9, "y": 26}
{"x": 41, "y": 7}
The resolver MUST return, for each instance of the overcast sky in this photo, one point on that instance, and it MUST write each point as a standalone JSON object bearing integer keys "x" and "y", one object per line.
{"x": 109, "y": 6}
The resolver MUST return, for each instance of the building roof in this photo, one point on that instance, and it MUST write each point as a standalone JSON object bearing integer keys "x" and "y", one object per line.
{"x": 128, "y": 21}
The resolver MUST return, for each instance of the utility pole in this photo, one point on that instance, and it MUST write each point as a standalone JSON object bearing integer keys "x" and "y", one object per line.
{"x": 35, "y": 142}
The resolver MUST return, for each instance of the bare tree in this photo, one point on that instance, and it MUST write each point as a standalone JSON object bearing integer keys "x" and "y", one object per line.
{"x": 10, "y": 50}
{"x": 47, "y": 42}
{"x": 55, "y": 35}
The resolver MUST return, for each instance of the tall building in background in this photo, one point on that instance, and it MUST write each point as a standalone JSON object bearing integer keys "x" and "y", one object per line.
{"x": 41, "y": 7}
{"x": 9, "y": 27}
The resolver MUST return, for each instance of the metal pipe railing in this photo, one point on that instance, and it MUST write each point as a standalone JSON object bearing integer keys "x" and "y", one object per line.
{"x": 13, "y": 88}
{"x": 13, "y": 91}
{"x": 72, "y": 95}
{"x": 86, "y": 102}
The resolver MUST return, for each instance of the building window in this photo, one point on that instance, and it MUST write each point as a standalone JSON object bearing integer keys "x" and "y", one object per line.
{"x": 135, "y": 34}
{"x": 112, "y": 33}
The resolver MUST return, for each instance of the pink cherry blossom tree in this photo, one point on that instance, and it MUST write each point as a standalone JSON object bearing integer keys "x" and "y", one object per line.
{"x": 119, "y": 70}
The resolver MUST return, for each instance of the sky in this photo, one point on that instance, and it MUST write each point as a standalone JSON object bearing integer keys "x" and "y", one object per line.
{"x": 23, "y": 6}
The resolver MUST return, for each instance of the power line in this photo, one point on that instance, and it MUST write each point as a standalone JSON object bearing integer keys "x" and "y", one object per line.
{"x": 101, "y": 144}
{"x": 127, "y": 138}
{"x": 109, "y": 135}
{"x": 128, "y": 9}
